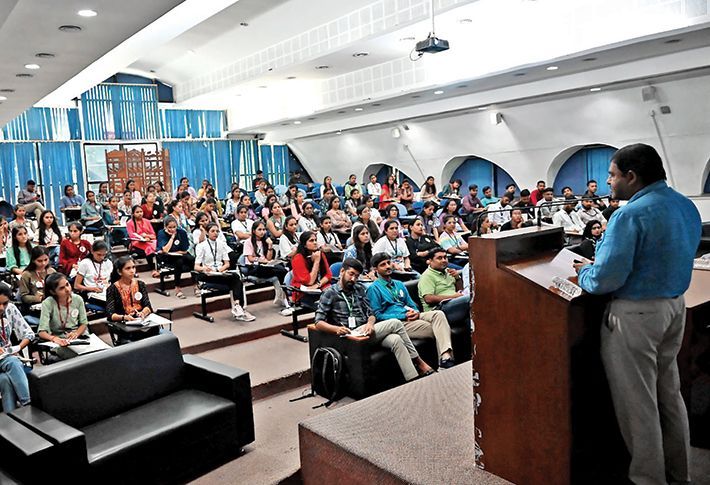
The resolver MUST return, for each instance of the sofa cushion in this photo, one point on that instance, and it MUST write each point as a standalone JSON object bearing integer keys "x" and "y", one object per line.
{"x": 186, "y": 413}
{"x": 93, "y": 387}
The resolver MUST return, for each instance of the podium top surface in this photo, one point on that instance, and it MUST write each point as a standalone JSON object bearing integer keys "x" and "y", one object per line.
{"x": 542, "y": 269}
{"x": 699, "y": 291}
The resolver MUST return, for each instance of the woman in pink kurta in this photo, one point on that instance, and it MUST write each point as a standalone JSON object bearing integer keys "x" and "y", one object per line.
{"x": 142, "y": 236}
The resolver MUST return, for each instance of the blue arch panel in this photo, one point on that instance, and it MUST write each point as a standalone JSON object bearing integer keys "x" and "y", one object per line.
{"x": 586, "y": 164}
{"x": 482, "y": 173}
{"x": 706, "y": 190}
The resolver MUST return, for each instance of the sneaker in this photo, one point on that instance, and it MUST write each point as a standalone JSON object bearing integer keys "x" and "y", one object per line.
{"x": 286, "y": 311}
{"x": 237, "y": 311}
{"x": 446, "y": 363}
{"x": 247, "y": 317}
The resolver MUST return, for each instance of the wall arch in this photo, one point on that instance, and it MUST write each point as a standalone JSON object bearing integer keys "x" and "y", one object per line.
{"x": 476, "y": 170}
{"x": 577, "y": 164}
{"x": 706, "y": 177}
{"x": 382, "y": 171}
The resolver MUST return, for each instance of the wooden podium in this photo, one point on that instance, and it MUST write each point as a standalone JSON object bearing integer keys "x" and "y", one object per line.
{"x": 545, "y": 415}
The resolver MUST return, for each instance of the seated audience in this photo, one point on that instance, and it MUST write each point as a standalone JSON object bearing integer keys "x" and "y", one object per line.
{"x": 308, "y": 220}
{"x": 428, "y": 190}
{"x": 136, "y": 196}
{"x": 392, "y": 214}
{"x": 353, "y": 203}
{"x": 488, "y": 197}
{"x": 361, "y": 249}
{"x": 430, "y": 222}
{"x": 143, "y": 238}
{"x": 257, "y": 180}
{"x": 588, "y": 212}
{"x": 70, "y": 200}
{"x": 49, "y": 235}
{"x": 536, "y": 195}
{"x": 389, "y": 192}
{"x": 342, "y": 225}
{"x": 299, "y": 178}
{"x": 510, "y": 190}
{"x": 451, "y": 209}
{"x": 545, "y": 206}
{"x": 568, "y": 217}
{"x": 567, "y": 192}
{"x": 390, "y": 299}
{"x": 328, "y": 242}
{"x": 527, "y": 208}
{"x": 364, "y": 218}
{"x": 483, "y": 225}
{"x": 591, "y": 192}
{"x": 288, "y": 242}
{"x": 288, "y": 197}
{"x": 276, "y": 220}
{"x": 260, "y": 194}
{"x": 327, "y": 185}
{"x": 30, "y": 199}
{"x": 241, "y": 225}
{"x": 328, "y": 195}
{"x": 374, "y": 189}
{"x": 295, "y": 207}
{"x": 4, "y": 235}
{"x": 199, "y": 234}
{"x": 92, "y": 212}
{"x": 32, "y": 279}
{"x": 212, "y": 262}
{"x": 471, "y": 204}
{"x": 233, "y": 202}
{"x": 452, "y": 190}
{"x": 343, "y": 308}
{"x": 310, "y": 270}
{"x": 114, "y": 220}
{"x": 406, "y": 196}
{"x": 591, "y": 236}
{"x": 374, "y": 212}
{"x": 73, "y": 249}
{"x": 439, "y": 283}
{"x": 516, "y": 221}
{"x": 93, "y": 275}
{"x": 152, "y": 209}
{"x": 21, "y": 220}
{"x": 499, "y": 212}
{"x": 124, "y": 204}
{"x": 419, "y": 243}
{"x": 172, "y": 250}
{"x": 163, "y": 194}
{"x": 14, "y": 387}
{"x": 613, "y": 206}
{"x": 210, "y": 208}
{"x": 246, "y": 202}
{"x": 450, "y": 240}
{"x": 17, "y": 256}
{"x": 393, "y": 246}
{"x": 351, "y": 185}
{"x": 184, "y": 186}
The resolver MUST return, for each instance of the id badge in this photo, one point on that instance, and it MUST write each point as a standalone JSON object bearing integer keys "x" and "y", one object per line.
{"x": 351, "y": 322}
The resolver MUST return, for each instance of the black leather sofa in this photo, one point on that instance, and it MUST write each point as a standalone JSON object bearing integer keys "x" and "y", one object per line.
{"x": 371, "y": 369}
{"x": 139, "y": 413}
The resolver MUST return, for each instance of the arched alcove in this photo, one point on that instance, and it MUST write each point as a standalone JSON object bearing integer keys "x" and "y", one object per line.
{"x": 706, "y": 176}
{"x": 574, "y": 166}
{"x": 476, "y": 170}
{"x": 383, "y": 171}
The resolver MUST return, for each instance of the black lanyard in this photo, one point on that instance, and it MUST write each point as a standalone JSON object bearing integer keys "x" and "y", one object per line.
{"x": 213, "y": 251}
{"x": 4, "y": 334}
{"x": 394, "y": 246}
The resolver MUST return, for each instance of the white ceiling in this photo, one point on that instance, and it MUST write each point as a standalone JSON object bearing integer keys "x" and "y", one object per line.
{"x": 31, "y": 26}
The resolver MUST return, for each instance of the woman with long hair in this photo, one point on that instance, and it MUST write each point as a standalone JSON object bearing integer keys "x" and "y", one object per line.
{"x": 266, "y": 208}
{"x": 172, "y": 249}
{"x": 241, "y": 225}
{"x": 14, "y": 387}
{"x": 429, "y": 220}
{"x": 275, "y": 223}
{"x": 429, "y": 189}
{"x": 163, "y": 194}
{"x": 199, "y": 234}
{"x": 361, "y": 249}
{"x": 389, "y": 192}
{"x": 245, "y": 200}
{"x": 451, "y": 208}
{"x": 364, "y": 218}
{"x": 17, "y": 256}
{"x": 49, "y": 235}
{"x": 94, "y": 273}
{"x": 308, "y": 220}
{"x": 4, "y": 234}
{"x": 136, "y": 196}
{"x": 405, "y": 194}
{"x": 327, "y": 184}
{"x": 32, "y": 279}
{"x": 590, "y": 238}
{"x": 484, "y": 225}
{"x": 73, "y": 249}
{"x": 233, "y": 202}
{"x": 288, "y": 242}
{"x": 152, "y": 211}
{"x": 296, "y": 205}
{"x": 342, "y": 224}
{"x": 328, "y": 195}
{"x": 310, "y": 269}
{"x": 328, "y": 242}
{"x": 102, "y": 194}
{"x": 392, "y": 215}
{"x": 394, "y": 246}
{"x": 21, "y": 220}
{"x": 143, "y": 238}
{"x": 289, "y": 196}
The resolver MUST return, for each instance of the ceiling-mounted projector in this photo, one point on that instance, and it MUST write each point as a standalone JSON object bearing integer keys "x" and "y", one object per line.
{"x": 431, "y": 45}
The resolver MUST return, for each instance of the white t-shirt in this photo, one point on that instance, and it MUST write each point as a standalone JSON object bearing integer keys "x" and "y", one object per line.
{"x": 306, "y": 224}
{"x": 375, "y": 189}
{"x": 394, "y": 249}
{"x": 330, "y": 239}
{"x": 242, "y": 226}
{"x": 286, "y": 246}
{"x": 95, "y": 274}
{"x": 212, "y": 254}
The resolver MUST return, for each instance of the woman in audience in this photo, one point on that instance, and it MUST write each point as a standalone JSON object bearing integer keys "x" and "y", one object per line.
{"x": 246, "y": 202}
{"x": 73, "y": 249}
{"x": 32, "y": 279}
{"x": 361, "y": 249}
{"x": 4, "y": 235}
{"x": 342, "y": 225}
{"x": 328, "y": 195}
{"x": 327, "y": 185}
{"x": 241, "y": 225}
{"x": 405, "y": 195}
{"x": 124, "y": 205}
{"x": 429, "y": 220}
{"x": 484, "y": 225}
{"x": 202, "y": 191}
{"x": 374, "y": 212}
{"x": 188, "y": 204}
{"x": 296, "y": 206}
{"x": 175, "y": 210}
{"x": 172, "y": 249}
{"x": 374, "y": 189}
{"x": 21, "y": 220}
{"x": 452, "y": 190}
{"x": 17, "y": 256}
{"x": 419, "y": 244}
{"x": 212, "y": 199}
{"x": 211, "y": 262}
{"x": 13, "y": 378}
{"x": 275, "y": 223}
{"x": 92, "y": 212}
{"x": 389, "y": 192}
{"x": 163, "y": 194}
{"x": 152, "y": 211}
{"x": 113, "y": 216}
{"x": 449, "y": 239}
{"x": 266, "y": 209}
{"x": 308, "y": 220}
{"x": 94, "y": 273}
{"x": 136, "y": 196}
{"x": 327, "y": 240}
{"x": 591, "y": 236}
{"x": 199, "y": 234}
{"x": 102, "y": 195}
{"x": 258, "y": 255}
{"x": 63, "y": 315}
{"x": 232, "y": 203}
{"x": 364, "y": 219}
{"x": 452, "y": 209}
{"x": 391, "y": 215}
{"x": 49, "y": 235}
{"x": 394, "y": 245}
{"x": 429, "y": 189}
{"x": 143, "y": 239}
{"x": 290, "y": 196}
{"x": 310, "y": 269}
{"x": 352, "y": 203}
{"x": 260, "y": 193}
{"x": 288, "y": 242}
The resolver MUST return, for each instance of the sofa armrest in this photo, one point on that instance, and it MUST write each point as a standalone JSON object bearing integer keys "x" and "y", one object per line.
{"x": 69, "y": 443}
{"x": 23, "y": 451}
{"x": 225, "y": 381}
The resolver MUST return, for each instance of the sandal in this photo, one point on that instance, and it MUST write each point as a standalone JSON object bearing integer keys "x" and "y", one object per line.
{"x": 180, "y": 295}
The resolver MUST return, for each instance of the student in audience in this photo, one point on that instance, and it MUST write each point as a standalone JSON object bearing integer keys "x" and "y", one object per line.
{"x": 613, "y": 206}
{"x": 389, "y": 299}
{"x": 63, "y": 315}
{"x": 199, "y": 234}
{"x": 353, "y": 203}
{"x": 429, "y": 221}
{"x": 49, "y": 235}
{"x": 342, "y": 225}
{"x": 14, "y": 387}
{"x": 266, "y": 209}
{"x": 296, "y": 206}
{"x": 32, "y": 279}
{"x": 488, "y": 197}
{"x": 258, "y": 255}
{"x": 516, "y": 221}
{"x": 451, "y": 208}
{"x": 374, "y": 189}
{"x": 136, "y": 196}
{"x": 288, "y": 197}
{"x": 188, "y": 203}
{"x": 260, "y": 193}
{"x": 527, "y": 208}
{"x": 452, "y": 190}
{"x": 70, "y": 199}
{"x": 392, "y": 214}
{"x": 246, "y": 202}
{"x": 212, "y": 262}
{"x": 124, "y": 205}
{"x": 102, "y": 195}
{"x": 406, "y": 196}
{"x": 536, "y": 195}
{"x": 310, "y": 269}
{"x": 184, "y": 186}
{"x": 419, "y": 243}
{"x": 588, "y": 212}
{"x": 344, "y": 308}
{"x": 591, "y": 236}
{"x": 257, "y": 180}
{"x": 327, "y": 185}
{"x": 328, "y": 242}
{"x": 567, "y": 192}
{"x": 73, "y": 249}
{"x": 30, "y": 199}
{"x": 364, "y": 219}
{"x": 591, "y": 192}
{"x": 275, "y": 223}
{"x": 17, "y": 256}
{"x": 299, "y": 178}
{"x": 471, "y": 204}
{"x": 499, "y": 212}
{"x": 92, "y": 212}
{"x": 374, "y": 212}
{"x": 210, "y": 208}
{"x": 288, "y": 242}
{"x": 510, "y": 190}
{"x": 389, "y": 192}
{"x": 93, "y": 274}
{"x": 163, "y": 194}
{"x": 428, "y": 190}
{"x": 152, "y": 210}
{"x": 308, "y": 220}
{"x": 392, "y": 244}
{"x": 113, "y": 216}
{"x": 439, "y": 283}
{"x": 483, "y": 226}
{"x": 21, "y": 220}
{"x": 546, "y": 209}
{"x": 172, "y": 249}
{"x": 4, "y": 235}
{"x": 328, "y": 195}
{"x": 176, "y": 210}
{"x": 241, "y": 225}
{"x": 449, "y": 239}
{"x": 568, "y": 217}
{"x": 202, "y": 191}
{"x": 350, "y": 185}
{"x": 361, "y": 249}
{"x": 143, "y": 238}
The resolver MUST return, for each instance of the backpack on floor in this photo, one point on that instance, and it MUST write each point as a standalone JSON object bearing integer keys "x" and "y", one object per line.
{"x": 328, "y": 374}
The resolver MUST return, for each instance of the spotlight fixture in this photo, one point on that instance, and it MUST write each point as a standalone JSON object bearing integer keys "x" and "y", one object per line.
{"x": 296, "y": 122}
{"x": 44, "y": 55}
{"x": 3, "y": 98}
{"x": 359, "y": 109}
{"x": 482, "y": 108}
{"x": 552, "y": 68}
{"x": 87, "y": 13}
{"x": 395, "y": 132}
{"x": 438, "y": 91}
{"x": 33, "y": 67}
{"x": 595, "y": 90}
{"x": 70, "y": 29}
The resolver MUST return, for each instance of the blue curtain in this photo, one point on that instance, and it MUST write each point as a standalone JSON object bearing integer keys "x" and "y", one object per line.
{"x": 18, "y": 164}
{"x": 191, "y": 159}
{"x": 121, "y": 112}
{"x": 182, "y": 123}
{"x": 61, "y": 165}
{"x": 57, "y": 124}
{"x": 586, "y": 164}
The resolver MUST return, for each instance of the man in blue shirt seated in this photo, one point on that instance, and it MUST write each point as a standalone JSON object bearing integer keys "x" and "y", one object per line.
{"x": 646, "y": 265}
{"x": 390, "y": 299}
{"x": 343, "y": 309}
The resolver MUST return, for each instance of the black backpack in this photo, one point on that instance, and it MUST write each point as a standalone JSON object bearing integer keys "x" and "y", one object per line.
{"x": 328, "y": 375}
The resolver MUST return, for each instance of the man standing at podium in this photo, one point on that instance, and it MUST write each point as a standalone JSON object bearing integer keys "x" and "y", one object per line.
{"x": 646, "y": 265}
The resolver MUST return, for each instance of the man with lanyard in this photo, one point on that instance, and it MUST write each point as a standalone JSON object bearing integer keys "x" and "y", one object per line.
{"x": 646, "y": 265}
{"x": 344, "y": 310}
{"x": 390, "y": 299}
{"x": 13, "y": 380}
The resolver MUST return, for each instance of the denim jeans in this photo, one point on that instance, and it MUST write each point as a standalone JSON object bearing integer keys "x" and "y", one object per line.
{"x": 13, "y": 383}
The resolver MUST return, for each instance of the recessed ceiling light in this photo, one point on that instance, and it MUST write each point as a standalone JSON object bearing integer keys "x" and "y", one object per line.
{"x": 361, "y": 54}
{"x": 589, "y": 59}
{"x": 70, "y": 29}
{"x": 482, "y": 108}
{"x": 594, "y": 90}
{"x": 24, "y": 74}
{"x": 461, "y": 86}
{"x": 291, "y": 77}
{"x": 44, "y": 55}
{"x": 32, "y": 66}
{"x": 519, "y": 74}
{"x": 3, "y": 98}
{"x": 407, "y": 39}
{"x": 672, "y": 41}
{"x": 552, "y": 68}
{"x": 87, "y": 13}
{"x": 438, "y": 91}
{"x": 322, "y": 67}
{"x": 244, "y": 24}
{"x": 359, "y": 109}
{"x": 465, "y": 21}
{"x": 7, "y": 90}
{"x": 296, "y": 122}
